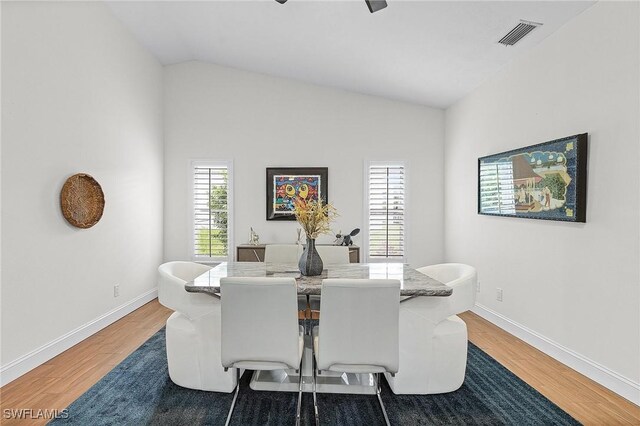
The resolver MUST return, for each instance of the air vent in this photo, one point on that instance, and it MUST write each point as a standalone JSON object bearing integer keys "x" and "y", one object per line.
{"x": 518, "y": 32}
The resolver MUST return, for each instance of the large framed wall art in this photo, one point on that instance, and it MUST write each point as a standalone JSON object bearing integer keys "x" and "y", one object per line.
{"x": 545, "y": 181}
{"x": 285, "y": 184}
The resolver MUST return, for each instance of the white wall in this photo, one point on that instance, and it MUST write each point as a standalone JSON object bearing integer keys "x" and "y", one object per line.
{"x": 213, "y": 112}
{"x": 79, "y": 95}
{"x": 576, "y": 285}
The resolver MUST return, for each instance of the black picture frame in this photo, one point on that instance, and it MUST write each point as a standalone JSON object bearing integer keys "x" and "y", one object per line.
{"x": 279, "y": 203}
{"x": 547, "y": 181}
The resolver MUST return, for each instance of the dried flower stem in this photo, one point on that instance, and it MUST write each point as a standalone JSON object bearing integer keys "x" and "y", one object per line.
{"x": 315, "y": 217}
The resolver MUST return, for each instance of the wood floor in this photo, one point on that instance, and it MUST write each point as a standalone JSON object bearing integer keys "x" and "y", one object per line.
{"x": 61, "y": 380}
{"x": 57, "y": 383}
{"x": 584, "y": 399}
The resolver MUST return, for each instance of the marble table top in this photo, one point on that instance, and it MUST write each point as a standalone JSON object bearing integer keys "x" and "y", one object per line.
{"x": 412, "y": 282}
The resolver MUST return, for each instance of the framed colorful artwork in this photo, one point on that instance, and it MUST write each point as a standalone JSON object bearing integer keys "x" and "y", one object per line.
{"x": 544, "y": 181}
{"x": 285, "y": 184}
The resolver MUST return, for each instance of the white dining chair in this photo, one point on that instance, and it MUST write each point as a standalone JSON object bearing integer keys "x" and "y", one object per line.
{"x": 331, "y": 256}
{"x": 358, "y": 331}
{"x": 192, "y": 331}
{"x": 433, "y": 339}
{"x": 260, "y": 329}
{"x": 282, "y": 253}
{"x": 287, "y": 254}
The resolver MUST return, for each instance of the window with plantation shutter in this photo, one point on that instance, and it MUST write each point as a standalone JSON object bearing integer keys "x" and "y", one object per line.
{"x": 497, "y": 193}
{"x": 212, "y": 195}
{"x": 386, "y": 211}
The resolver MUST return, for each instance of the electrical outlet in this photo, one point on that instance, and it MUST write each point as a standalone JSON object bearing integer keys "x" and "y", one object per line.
{"x": 116, "y": 290}
{"x": 499, "y": 294}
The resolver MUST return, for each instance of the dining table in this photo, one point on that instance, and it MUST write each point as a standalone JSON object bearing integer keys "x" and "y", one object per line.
{"x": 412, "y": 284}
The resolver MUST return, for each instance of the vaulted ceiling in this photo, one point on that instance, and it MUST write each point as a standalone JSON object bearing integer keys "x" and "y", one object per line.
{"x": 427, "y": 52}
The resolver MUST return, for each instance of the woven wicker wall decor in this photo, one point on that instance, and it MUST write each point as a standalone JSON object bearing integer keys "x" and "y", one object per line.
{"x": 82, "y": 200}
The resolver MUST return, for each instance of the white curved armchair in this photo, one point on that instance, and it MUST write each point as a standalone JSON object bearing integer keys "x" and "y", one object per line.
{"x": 193, "y": 330}
{"x": 433, "y": 339}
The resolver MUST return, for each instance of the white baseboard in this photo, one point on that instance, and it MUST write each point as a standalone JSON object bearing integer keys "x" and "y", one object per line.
{"x": 610, "y": 379}
{"x": 28, "y": 362}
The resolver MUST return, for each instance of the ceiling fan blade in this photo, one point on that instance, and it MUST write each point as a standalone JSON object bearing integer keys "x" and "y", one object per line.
{"x": 375, "y": 5}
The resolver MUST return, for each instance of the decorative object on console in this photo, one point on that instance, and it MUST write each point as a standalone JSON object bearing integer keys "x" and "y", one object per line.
{"x": 287, "y": 184}
{"x": 299, "y": 239}
{"x": 345, "y": 240}
{"x": 254, "y": 238}
{"x": 544, "y": 181}
{"x": 315, "y": 218}
{"x": 82, "y": 201}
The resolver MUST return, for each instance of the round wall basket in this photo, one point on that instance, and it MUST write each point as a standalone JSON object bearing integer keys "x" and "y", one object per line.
{"x": 82, "y": 201}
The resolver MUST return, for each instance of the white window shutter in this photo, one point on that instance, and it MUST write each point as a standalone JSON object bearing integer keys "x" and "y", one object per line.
{"x": 211, "y": 211}
{"x": 387, "y": 214}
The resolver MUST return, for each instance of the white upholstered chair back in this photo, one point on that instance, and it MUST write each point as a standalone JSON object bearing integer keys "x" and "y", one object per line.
{"x": 282, "y": 253}
{"x": 462, "y": 278}
{"x": 433, "y": 339}
{"x": 260, "y": 323}
{"x": 172, "y": 276}
{"x": 333, "y": 255}
{"x": 193, "y": 331}
{"x": 358, "y": 329}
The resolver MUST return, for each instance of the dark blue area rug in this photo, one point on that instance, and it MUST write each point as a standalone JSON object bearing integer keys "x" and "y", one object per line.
{"x": 138, "y": 391}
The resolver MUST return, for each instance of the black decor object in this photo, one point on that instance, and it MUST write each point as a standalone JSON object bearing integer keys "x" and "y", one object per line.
{"x": 346, "y": 239}
{"x": 310, "y": 263}
{"x": 286, "y": 184}
{"x": 545, "y": 181}
{"x": 376, "y": 5}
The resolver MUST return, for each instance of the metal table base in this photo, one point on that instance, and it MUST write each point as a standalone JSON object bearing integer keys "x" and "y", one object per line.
{"x": 327, "y": 382}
